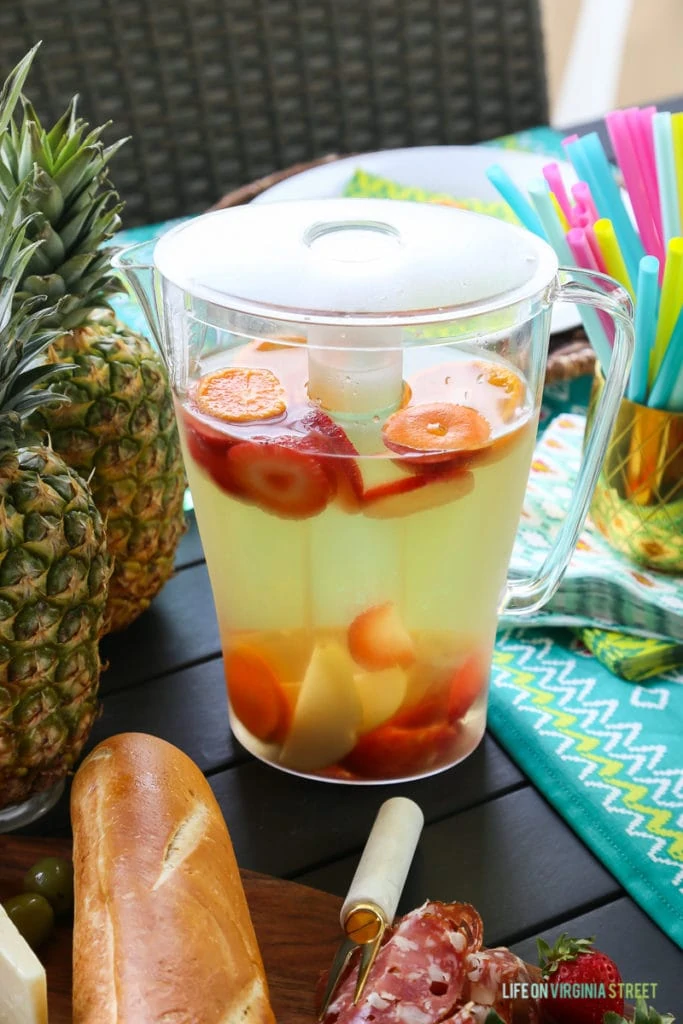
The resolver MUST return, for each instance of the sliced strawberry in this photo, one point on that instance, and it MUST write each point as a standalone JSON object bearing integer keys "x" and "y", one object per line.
{"x": 279, "y": 477}
{"x": 467, "y": 684}
{"x": 209, "y": 450}
{"x": 378, "y": 639}
{"x": 341, "y": 461}
{"x": 393, "y": 751}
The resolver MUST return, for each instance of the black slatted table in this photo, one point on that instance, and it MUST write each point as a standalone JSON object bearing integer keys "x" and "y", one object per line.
{"x": 490, "y": 837}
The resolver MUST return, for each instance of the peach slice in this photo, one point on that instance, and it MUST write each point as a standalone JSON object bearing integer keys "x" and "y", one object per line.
{"x": 378, "y": 639}
{"x": 238, "y": 394}
{"x": 381, "y": 695}
{"x": 256, "y": 695}
{"x": 328, "y": 712}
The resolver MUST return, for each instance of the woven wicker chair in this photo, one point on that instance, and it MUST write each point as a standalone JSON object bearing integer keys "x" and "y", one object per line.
{"x": 217, "y": 93}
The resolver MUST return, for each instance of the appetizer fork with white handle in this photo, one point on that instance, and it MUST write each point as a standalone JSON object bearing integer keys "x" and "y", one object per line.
{"x": 375, "y": 890}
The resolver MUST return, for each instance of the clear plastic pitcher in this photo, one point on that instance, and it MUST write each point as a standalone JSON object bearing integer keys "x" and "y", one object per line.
{"x": 357, "y": 386}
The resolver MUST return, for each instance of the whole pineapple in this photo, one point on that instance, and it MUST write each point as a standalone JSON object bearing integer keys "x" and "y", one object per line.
{"x": 118, "y": 429}
{"x": 54, "y": 564}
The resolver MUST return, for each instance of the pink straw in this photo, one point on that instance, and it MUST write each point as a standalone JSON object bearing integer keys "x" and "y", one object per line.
{"x": 595, "y": 248}
{"x": 553, "y": 175}
{"x": 619, "y": 134}
{"x": 583, "y": 254}
{"x": 585, "y": 211}
{"x": 639, "y": 123}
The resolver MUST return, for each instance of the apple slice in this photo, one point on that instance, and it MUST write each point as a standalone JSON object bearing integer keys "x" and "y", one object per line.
{"x": 381, "y": 695}
{"x": 328, "y": 712}
{"x": 414, "y": 494}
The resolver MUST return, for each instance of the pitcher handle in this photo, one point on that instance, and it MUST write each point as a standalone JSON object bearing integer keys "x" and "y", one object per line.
{"x": 526, "y": 595}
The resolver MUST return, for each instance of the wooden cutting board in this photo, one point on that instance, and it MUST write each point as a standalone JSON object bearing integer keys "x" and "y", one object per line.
{"x": 297, "y": 929}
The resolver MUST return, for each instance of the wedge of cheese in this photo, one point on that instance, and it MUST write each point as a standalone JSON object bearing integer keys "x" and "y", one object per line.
{"x": 23, "y": 985}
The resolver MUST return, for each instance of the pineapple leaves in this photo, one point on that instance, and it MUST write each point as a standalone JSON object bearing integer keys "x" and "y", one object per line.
{"x": 64, "y": 170}
{"x": 11, "y": 90}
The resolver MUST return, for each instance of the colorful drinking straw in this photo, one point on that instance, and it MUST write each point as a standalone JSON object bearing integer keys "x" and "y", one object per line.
{"x": 607, "y": 196}
{"x": 647, "y": 300}
{"x": 666, "y": 176}
{"x": 502, "y": 181}
{"x": 583, "y": 256}
{"x": 585, "y": 209}
{"x": 677, "y": 140}
{"x": 666, "y": 379}
{"x": 553, "y": 175}
{"x": 636, "y": 185}
{"x": 595, "y": 248}
{"x": 611, "y": 253}
{"x": 639, "y": 126}
{"x": 540, "y": 197}
{"x": 559, "y": 212}
{"x": 669, "y": 304}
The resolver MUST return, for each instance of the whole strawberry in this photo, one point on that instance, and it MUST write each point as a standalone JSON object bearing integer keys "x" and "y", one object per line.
{"x": 573, "y": 962}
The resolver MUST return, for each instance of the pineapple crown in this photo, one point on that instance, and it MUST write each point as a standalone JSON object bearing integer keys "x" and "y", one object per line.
{"x": 23, "y": 333}
{"x": 73, "y": 207}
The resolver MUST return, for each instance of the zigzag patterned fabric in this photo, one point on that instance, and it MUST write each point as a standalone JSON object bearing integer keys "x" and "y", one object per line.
{"x": 606, "y": 753}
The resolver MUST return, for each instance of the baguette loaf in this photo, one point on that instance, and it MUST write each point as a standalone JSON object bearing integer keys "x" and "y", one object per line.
{"x": 162, "y": 931}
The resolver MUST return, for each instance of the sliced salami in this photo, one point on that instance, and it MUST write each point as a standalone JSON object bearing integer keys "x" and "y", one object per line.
{"x": 489, "y": 977}
{"x": 420, "y": 971}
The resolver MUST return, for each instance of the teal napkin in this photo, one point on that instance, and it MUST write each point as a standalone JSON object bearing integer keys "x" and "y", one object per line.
{"x": 606, "y": 753}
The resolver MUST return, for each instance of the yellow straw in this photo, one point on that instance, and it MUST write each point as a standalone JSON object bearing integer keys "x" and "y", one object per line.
{"x": 560, "y": 212}
{"x": 669, "y": 304}
{"x": 677, "y": 138}
{"x": 611, "y": 253}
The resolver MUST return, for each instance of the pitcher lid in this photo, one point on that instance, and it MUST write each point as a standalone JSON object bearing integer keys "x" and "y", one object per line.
{"x": 325, "y": 259}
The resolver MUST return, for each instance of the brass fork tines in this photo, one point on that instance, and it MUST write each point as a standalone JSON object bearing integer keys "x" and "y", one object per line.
{"x": 364, "y": 927}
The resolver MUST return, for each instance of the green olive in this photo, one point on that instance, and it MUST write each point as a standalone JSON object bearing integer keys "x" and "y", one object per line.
{"x": 32, "y": 915}
{"x": 53, "y": 878}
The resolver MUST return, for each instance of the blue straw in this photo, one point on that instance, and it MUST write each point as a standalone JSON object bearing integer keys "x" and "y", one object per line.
{"x": 502, "y": 181}
{"x": 667, "y": 378}
{"x": 591, "y": 164}
{"x": 540, "y": 197}
{"x": 666, "y": 175}
{"x": 647, "y": 303}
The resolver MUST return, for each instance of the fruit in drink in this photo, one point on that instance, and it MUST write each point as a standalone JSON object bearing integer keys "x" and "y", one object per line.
{"x": 257, "y": 696}
{"x": 378, "y": 639}
{"x": 360, "y": 560}
{"x": 328, "y": 712}
{"x": 436, "y": 432}
{"x": 239, "y": 393}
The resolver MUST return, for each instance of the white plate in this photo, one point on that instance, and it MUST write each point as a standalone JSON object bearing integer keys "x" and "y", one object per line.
{"x": 455, "y": 170}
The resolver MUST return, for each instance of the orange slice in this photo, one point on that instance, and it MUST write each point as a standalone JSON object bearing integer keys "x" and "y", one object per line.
{"x": 256, "y": 695}
{"x": 510, "y": 383}
{"x": 277, "y": 344}
{"x": 238, "y": 394}
{"x": 438, "y": 431}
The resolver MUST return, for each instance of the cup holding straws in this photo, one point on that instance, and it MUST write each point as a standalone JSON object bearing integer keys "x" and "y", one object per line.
{"x": 638, "y": 502}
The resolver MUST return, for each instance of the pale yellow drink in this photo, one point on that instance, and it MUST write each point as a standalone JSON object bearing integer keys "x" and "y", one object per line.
{"x": 358, "y": 631}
